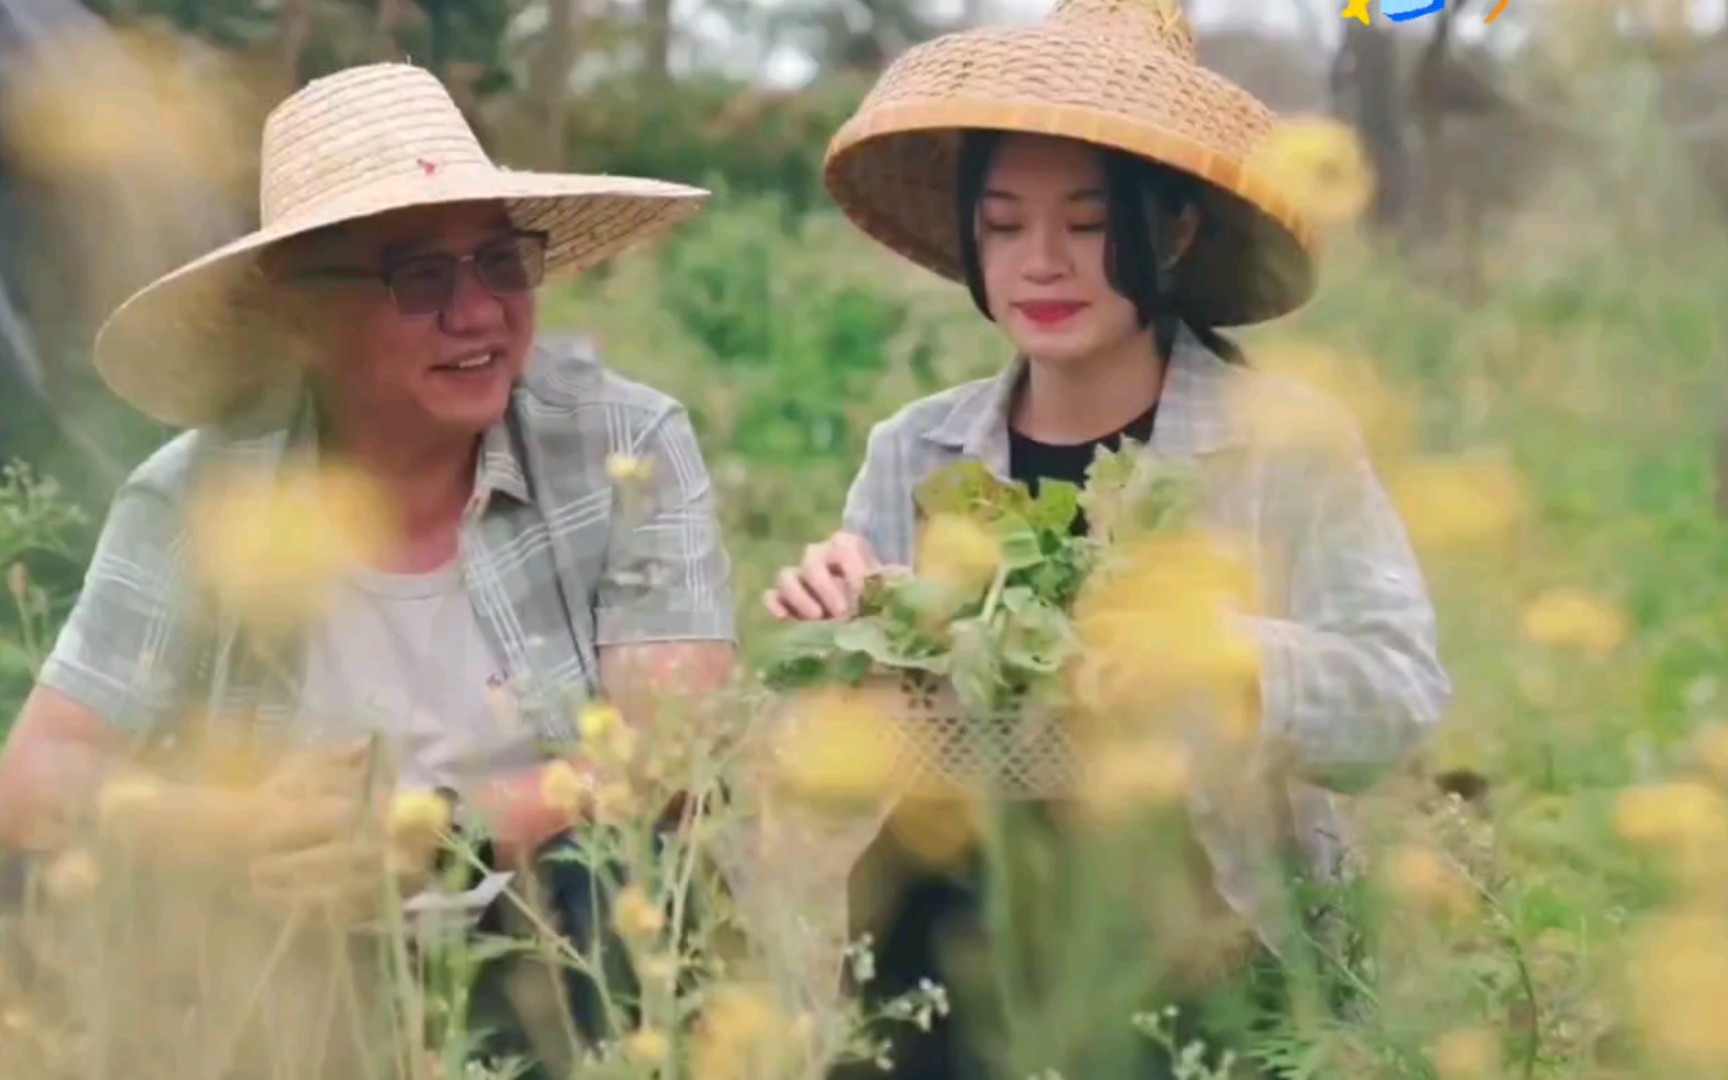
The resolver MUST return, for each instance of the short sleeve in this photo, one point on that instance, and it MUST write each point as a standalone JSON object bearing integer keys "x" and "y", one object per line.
{"x": 122, "y": 651}
{"x": 878, "y": 506}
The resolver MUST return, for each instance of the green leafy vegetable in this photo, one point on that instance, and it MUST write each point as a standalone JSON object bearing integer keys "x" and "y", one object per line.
{"x": 1010, "y": 645}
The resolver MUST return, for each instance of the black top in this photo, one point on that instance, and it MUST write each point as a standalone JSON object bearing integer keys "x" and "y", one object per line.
{"x": 1030, "y": 461}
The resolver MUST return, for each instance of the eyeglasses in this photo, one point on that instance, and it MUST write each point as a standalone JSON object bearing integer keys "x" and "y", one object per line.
{"x": 426, "y": 284}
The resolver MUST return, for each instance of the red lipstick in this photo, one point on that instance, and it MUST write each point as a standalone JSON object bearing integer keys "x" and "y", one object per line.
{"x": 1050, "y": 312}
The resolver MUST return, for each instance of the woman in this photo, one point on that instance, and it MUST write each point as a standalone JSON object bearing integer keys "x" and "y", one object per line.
{"x": 1092, "y": 187}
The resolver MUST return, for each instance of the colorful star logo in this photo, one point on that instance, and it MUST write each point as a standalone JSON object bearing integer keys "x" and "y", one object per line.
{"x": 1405, "y": 10}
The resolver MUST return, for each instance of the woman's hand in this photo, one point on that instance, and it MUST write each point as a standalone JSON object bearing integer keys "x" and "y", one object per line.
{"x": 827, "y": 584}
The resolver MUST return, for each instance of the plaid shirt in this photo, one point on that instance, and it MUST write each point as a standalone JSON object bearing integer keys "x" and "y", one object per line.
{"x": 1350, "y": 680}
{"x": 551, "y": 574}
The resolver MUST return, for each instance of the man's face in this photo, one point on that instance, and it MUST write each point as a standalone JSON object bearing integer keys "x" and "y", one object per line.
{"x": 438, "y": 348}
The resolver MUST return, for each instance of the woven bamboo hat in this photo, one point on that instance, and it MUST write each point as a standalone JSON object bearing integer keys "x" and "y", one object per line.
{"x": 187, "y": 349}
{"x": 1115, "y": 73}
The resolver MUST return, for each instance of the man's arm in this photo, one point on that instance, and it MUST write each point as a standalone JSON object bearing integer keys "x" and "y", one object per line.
{"x": 54, "y": 759}
{"x": 111, "y": 674}
{"x": 664, "y": 612}
{"x": 638, "y": 680}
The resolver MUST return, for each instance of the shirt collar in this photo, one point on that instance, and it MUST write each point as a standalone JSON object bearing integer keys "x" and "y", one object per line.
{"x": 1196, "y": 413}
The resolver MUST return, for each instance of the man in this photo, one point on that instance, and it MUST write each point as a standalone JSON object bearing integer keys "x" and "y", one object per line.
{"x": 383, "y": 317}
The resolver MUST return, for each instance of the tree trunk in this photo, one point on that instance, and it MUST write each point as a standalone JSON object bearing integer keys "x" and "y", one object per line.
{"x": 657, "y": 43}
{"x": 296, "y": 28}
{"x": 1366, "y": 94}
{"x": 559, "y": 59}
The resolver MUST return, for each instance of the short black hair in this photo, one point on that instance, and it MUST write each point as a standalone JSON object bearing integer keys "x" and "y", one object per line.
{"x": 1138, "y": 195}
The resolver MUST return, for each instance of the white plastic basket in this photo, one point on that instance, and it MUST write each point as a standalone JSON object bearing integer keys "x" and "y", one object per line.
{"x": 1013, "y": 754}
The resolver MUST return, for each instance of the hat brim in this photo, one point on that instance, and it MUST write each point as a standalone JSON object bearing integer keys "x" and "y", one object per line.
{"x": 192, "y": 347}
{"x": 893, "y": 167}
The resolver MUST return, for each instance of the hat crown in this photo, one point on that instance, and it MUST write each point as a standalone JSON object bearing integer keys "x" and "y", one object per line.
{"x": 356, "y": 128}
{"x": 1159, "y": 23}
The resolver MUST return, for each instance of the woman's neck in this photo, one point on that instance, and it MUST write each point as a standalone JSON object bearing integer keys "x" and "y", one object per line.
{"x": 1077, "y": 401}
{"x": 431, "y": 480}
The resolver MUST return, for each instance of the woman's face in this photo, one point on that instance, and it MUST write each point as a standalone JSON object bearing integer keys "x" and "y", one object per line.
{"x": 1042, "y": 227}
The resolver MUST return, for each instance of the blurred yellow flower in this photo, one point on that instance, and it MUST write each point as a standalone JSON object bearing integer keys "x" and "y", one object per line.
{"x": 629, "y": 469}
{"x": 1678, "y": 977}
{"x": 1574, "y": 619}
{"x": 81, "y": 108}
{"x": 596, "y": 719}
{"x": 659, "y": 968}
{"x": 616, "y": 801}
{"x": 838, "y": 746}
{"x": 1155, "y": 625}
{"x": 1122, "y": 778}
{"x": 1422, "y": 878}
{"x": 1467, "y": 1054}
{"x": 939, "y": 831}
{"x": 563, "y": 788}
{"x": 635, "y": 916}
{"x": 1384, "y": 416}
{"x": 1457, "y": 503}
{"x": 418, "y": 816}
{"x": 649, "y": 1046}
{"x": 275, "y": 550}
{"x": 1711, "y": 743}
{"x": 1318, "y": 164}
{"x": 18, "y": 1021}
{"x": 1677, "y": 812}
{"x": 72, "y": 876}
{"x": 959, "y": 552}
{"x": 743, "y": 1035}
{"x": 125, "y": 796}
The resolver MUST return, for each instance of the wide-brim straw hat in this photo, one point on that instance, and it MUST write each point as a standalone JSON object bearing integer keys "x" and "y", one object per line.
{"x": 194, "y": 346}
{"x": 1114, "y": 73}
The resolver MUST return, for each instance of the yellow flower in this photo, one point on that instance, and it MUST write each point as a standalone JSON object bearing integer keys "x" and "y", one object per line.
{"x": 72, "y": 876}
{"x": 1155, "y": 626}
{"x": 596, "y": 719}
{"x": 1123, "y": 778}
{"x": 1687, "y": 820}
{"x": 418, "y": 815}
{"x": 627, "y": 468}
{"x": 635, "y": 916}
{"x": 563, "y": 789}
{"x": 1457, "y": 503}
{"x": 75, "y": 115}
{"x": 659, "y": 968}
{"x": 275, "y": 550}
{"x": 18, "y": 1021}
{"x": 1678, "y": 977}
{"x": 1467, "y": 1054}
{"x": 838, "y": 746}
{"x": 1318, "y": 164}
{"x": 1712, "y": 747}
{"x": 743, "y": 1035}
{"x": 126, "y": 796}
{"x": 1385, "y": 417}
{"x": 959, "y": 552}
{"x": 616, "y": 801}
{"x": 1574, "y": 619}
{"x": 648, "y": 1045}
{"x": 1422, "y": 878}
{"x": 938, "y": 831}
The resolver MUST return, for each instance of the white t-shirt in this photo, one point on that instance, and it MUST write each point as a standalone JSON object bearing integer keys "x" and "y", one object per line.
{"x": 403, "y": 655}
